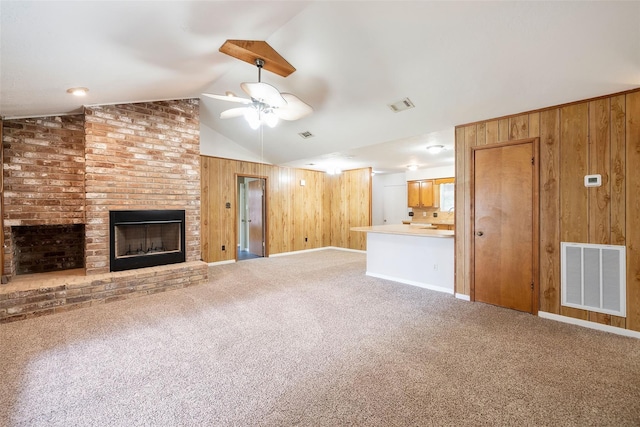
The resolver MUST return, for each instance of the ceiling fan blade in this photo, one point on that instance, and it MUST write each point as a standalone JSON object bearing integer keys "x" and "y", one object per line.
{"x": 264, "y": 92}
{"x": 233, "y": 112}
{"x": 231, "y": 98}
{"x": 295, "y": 108}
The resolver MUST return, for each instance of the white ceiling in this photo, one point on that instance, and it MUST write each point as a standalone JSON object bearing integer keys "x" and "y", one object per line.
{"x": 457, "y": 61}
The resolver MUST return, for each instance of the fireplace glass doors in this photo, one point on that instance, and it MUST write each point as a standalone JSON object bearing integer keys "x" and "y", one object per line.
{"x": 146, "y": 238}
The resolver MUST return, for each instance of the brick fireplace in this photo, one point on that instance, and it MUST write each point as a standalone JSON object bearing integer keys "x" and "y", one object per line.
{"x": 70, "y": 172}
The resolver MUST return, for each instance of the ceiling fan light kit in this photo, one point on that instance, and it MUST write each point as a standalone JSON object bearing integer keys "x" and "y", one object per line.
{"x": 266, "y": 105}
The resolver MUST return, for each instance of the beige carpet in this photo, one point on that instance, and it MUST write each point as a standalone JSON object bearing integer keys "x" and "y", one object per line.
{"x": 309, "y": 340}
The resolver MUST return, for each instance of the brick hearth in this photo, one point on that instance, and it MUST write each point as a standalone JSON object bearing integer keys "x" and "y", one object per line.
{"x": 70, "y": 170}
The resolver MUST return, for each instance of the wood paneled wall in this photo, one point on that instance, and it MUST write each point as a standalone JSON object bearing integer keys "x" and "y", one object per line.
{"x": 598, "y": 136}
{"x": 1, "y": 206}
{"x": 322, "y": 211}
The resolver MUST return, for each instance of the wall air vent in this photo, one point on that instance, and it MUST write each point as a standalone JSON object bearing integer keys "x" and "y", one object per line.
{"x": 594, "y": 277}
{"x": 403, "y": 105}
{"x": 306, "y": 134}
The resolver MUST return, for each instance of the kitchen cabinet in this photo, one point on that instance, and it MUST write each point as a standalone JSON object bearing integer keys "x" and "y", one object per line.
{"x": 420, "y": 194}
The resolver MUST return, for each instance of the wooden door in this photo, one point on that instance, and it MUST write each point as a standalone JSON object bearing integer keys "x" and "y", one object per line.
{"x": 505, "y": 225}
{"x": 256, "y": 205}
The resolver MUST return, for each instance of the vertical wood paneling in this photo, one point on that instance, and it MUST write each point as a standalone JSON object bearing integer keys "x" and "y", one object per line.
{"x": 491, "y": 132}
{"x": 618, "y": 170}
{"x": 534, "y": 125}
{"x": 301, "y": 219}
{"x": 1, "y": 202}
{"x": 519, "y": 127}
{"x": 326, "y": 210}
{"x": 633, "y": 209}
{"x": 359, "y": 195}
{"x": 599, "y": 163}
{"x": 481, "y": 134}
{"x": 550, "y": 211}
{"x": 574, "y": 165}
{"x": 293, "y": 211}
{"x": 503, "y": 130}
{"x": 461, "y": 258}
{"x": 470, "y": 133}
{"x": 204, "y": 206}
{"x": 595, "y": 136}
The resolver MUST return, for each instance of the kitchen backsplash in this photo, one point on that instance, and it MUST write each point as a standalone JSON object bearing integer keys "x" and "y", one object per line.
{"x": 442, "y": 218}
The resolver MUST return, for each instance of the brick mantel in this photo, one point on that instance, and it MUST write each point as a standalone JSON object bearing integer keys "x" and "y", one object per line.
{"x": 140, "y": 156}
{"x": 75, "y": 169}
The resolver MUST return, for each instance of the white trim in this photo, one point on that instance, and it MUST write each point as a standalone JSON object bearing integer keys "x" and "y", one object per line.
{"x": 315, "y": 250}
{"x": 462, "y": 297}
{"x": 591, "y": 325}
{"x": 211, "y": 264}
{"x": 412, "y": 282}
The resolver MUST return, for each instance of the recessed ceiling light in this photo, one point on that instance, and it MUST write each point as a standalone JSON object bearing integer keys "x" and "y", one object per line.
{"x": 78, "y": 91}
{"x": 435, "y": 149}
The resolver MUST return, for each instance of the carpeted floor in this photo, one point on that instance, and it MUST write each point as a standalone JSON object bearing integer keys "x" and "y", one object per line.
{"x": 309, "y": 340}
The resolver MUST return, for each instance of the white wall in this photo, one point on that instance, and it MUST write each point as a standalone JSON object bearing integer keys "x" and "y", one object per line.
{"x": 216, "y": 145}
{"x": 431, "y": 173}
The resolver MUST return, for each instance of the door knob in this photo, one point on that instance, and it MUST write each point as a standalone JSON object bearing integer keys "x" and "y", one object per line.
{"x": 479, "y": 233}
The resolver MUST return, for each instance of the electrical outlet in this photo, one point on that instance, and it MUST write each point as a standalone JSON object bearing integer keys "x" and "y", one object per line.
{"x": 435, "y": 267}
{"x": 435, "y": 214}
{"x": 424, "y": 214}
{"x": 223, "y": 247}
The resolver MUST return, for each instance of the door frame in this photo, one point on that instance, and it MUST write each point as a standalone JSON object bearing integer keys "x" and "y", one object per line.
{"x": 265, "y": 212}
{"x": 535, "y": 229}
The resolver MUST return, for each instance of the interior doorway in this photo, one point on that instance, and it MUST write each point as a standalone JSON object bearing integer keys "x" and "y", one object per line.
{"x": 505, "y": 225}
{"x": 251, "y": 217}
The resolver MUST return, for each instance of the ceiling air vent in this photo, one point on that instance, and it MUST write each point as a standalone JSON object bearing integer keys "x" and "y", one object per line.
{"x": 405, "y": 104}
{"x": 306, "y": 134}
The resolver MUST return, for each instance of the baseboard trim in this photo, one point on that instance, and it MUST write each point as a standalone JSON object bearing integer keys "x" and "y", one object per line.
{"x": 463, "y": 297}
{"x": 412, "y": 283}
{"x": 590, "y": 325}
{"x": 317, "y": 249}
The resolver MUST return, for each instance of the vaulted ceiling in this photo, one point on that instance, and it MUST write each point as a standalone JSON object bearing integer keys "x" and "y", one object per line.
{"x": 457, "y": 62}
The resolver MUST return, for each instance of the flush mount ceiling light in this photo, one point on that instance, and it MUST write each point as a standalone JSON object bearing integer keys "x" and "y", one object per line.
{"x": 78, "y": 91}
{"x": 435, "y": 149}
{"x": 412, "y": 167}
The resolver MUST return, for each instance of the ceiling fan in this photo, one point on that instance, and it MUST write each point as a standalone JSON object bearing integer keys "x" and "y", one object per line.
{"x": 265, "y": 103}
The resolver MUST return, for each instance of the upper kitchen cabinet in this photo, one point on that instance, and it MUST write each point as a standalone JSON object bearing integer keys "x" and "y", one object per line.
{"x": 420, "y": 193}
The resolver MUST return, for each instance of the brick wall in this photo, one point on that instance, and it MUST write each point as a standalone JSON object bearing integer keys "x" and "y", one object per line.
{"x": 141, "y": 156}
{"x": 48, "y": 248}
{"x": 75, "y": 169}
{"x": 43, "y": 169}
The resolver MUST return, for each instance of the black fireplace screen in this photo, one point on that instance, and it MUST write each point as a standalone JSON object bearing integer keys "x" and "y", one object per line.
{"x": 146, "y": 238}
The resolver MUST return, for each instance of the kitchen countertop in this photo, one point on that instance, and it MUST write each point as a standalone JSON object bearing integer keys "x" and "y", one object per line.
{"x": 435, "y": 221}
{"x": 414, "y": 229}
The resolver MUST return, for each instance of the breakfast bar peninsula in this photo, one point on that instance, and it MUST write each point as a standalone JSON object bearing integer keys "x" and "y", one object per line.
{"x": 415, "y": 254}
